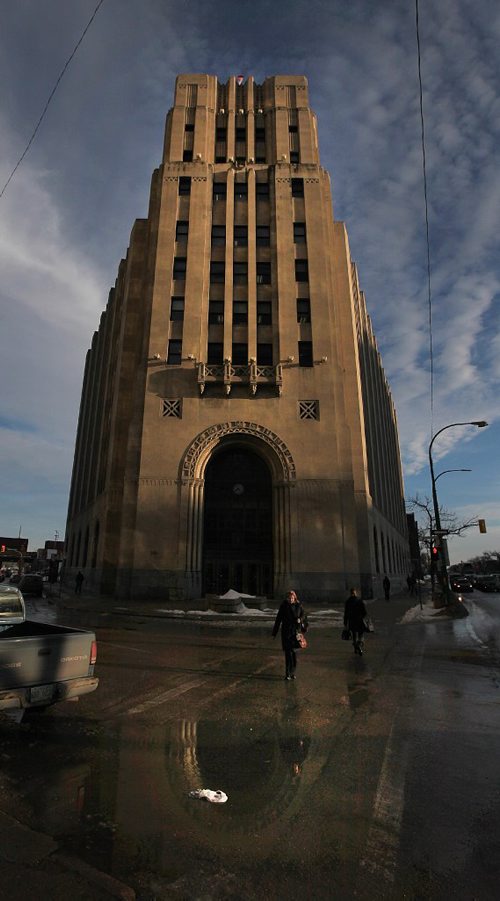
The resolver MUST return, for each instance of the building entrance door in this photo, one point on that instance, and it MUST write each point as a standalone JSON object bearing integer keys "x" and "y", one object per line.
{"x": 237, "y": 533}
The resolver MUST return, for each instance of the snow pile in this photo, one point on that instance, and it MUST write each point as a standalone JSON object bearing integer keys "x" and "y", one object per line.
{"x": 426, "y": 614}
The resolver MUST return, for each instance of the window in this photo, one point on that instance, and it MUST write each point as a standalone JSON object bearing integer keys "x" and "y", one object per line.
{"x": 189, "y": 127}
{"x": 293, "y": 129}
{"x": 262, "y": 190}
{"x": 263, "y": 236}
{"x": 240, "y": 273}
{"x": 218, "y": 235}
{"x": 264, "y": 354}
{"x": 174, "y": 352}
{"x": 299, "y": 232}
{"x": 301, "y": 271}
{"x": 305, "y": 353}
{"x": 184, "y": 186}
{"x": 241, "y": 134}
{"x": 259, "y": 157}
{"x": 263, "y": 273}
{"x": 297, "y": 187}
{"x": 181, "y": 230}
{"x": 240, "y": 190}
{"x": 219, "y": 159}
{"x": 220, "y": 190}
{"x": 240, "y": 235}
{"x": 217, "y": 272}
{"x": 264, "y": 314}
{"x": 220, "y": 134}
{"x": 180, "y": 268}
{"x": 214, "y": 353}
{"x": 172, "y": 408}
{"x": 240, "y": 354}
{"x": 240, "y": 312}
{"x": 187, "y": 156}
{"x": 177, "y": 309}
{"x": 308, "y": 409}
{"x": 294, "y": 157}
{"x": 260, "y": 134}
{"x": 303, "y": 309}
{"x": 215, "y": 312}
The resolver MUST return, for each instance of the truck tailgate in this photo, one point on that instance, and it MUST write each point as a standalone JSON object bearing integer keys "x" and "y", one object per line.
{"x": 34, "y": 653}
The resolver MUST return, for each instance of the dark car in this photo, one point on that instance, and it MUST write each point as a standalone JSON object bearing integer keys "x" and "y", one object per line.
{"x": 31, "y": 584}
{"x": 461, "y": 584}
{"x": 486, "y": 583}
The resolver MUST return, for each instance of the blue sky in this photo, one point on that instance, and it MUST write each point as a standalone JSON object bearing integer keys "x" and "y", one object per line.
{"x": 66, "y": 216}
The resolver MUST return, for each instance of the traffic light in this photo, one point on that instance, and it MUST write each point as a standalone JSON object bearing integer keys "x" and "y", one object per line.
{"x": 482, "y": 526}
{"x": 435, "y": 553}
{"x": 2, "y": 548}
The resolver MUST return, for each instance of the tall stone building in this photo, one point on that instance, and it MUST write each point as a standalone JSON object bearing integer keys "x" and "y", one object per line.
{"x": 236, "y": 428}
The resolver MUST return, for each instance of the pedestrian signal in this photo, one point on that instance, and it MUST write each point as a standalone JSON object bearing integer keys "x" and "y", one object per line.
{"x": 482, "y": 526}
{"x": 2, "y": 548}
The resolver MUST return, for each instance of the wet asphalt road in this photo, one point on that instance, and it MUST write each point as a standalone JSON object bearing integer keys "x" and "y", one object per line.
{"x": 366, "y": 778}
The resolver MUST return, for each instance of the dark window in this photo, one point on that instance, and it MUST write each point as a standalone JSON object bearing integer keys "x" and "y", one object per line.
{"x": 220, "y": 134}
{"x": 220, "y": 190}
{"x": 216, "y": 312}
{"x": 187, "y": 156}
{"x": 263, "y": 236}
{"x": 214, "y": 353}
{"x": 259, "y": 157}
{"x": 293, "y": 129}
{"x": 184, "y": 185}
{"x": 299, "y": 232}
{"x": 189, "y": 127}
{"x": 294, "y": 156}
{"x": 240, "y": 235}
{"x": 217, "y": 272}
{"x": 220, "y": 159}
{"x": 263, "y": 273}
{"x": 181, "y": 230}
{"x": 240, "y": 190}
{"x": 240, "y": 273}
{"x": 177, "y": 309}
{"x": 174, "y": 352}
{"x": 297, "y": 187}
{"x": 241, "y": 134}
{"x": 301, "y": 271}
{"x": 218, "y": 235}
{"x": 180, "y": 268}
{"x": 240, "y": 354}
{"x": 265, "y": 354}
{"x": 260, "y": 134}
{"x": 262, "y": 190}
{"x": 303, "y": 309}
{"x": 240, "y": 312}
{"x": 240, "y": 159}
{"x": 264, "y": 315}
{"x": 305, "y": 353}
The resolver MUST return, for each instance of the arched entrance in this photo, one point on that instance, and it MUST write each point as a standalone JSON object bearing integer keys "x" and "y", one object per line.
{"x": 237, "y": 523}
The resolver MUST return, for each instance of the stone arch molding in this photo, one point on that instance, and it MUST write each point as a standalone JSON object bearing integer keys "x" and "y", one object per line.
{"x": 201, "y": 447}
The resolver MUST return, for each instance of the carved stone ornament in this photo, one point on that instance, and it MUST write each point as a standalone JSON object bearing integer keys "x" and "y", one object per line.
{"x": 211, "y": 436}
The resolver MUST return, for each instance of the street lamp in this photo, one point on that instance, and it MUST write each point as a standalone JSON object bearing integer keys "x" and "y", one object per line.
{"x": 443, "y": 578}
{"x": 443, "y": 473}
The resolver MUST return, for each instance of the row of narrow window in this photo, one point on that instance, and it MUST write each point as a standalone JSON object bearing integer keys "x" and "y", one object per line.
{"x": 239, "y": 356}
{"x": 240, "y": 311}
{"x": 240, "y": 189}
{"x": 240, "y": 271}
{"x": 241, "y": 144}
{"x": 395, "y": 562}
{"x": 240, "y": 235}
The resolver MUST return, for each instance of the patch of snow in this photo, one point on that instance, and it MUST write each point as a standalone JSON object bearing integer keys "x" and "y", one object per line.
{"x": 427, "y": 614}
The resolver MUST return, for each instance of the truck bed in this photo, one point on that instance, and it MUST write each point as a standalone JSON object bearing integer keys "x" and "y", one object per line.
{"x": 36, "y": 653}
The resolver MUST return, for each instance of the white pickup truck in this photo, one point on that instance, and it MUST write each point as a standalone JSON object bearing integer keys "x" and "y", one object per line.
{"x": 41, "y": 663}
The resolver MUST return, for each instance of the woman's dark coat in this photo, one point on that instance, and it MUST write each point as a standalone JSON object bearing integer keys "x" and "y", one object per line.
{"x": 354, "y": 614}
{"x": 290, "y": 617}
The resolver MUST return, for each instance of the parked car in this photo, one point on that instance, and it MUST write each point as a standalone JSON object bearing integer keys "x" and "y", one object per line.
{"x": 15, "y": 579}
{"x": 31, "y": 584}
{"x": 462, "y": 584}
{"x": 486, "y": 583}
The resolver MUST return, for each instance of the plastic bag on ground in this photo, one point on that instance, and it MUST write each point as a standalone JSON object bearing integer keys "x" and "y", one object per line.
{"x": 206, "y": 794}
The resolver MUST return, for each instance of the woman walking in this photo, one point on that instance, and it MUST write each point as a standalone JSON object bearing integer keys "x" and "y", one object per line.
{"x": 292, "y": 619}
{"x": 354, "y": 615}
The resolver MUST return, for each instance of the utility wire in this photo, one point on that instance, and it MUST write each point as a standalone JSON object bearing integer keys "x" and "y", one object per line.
{"x": 54, "y": 89}
{"x": 424, "y": 170}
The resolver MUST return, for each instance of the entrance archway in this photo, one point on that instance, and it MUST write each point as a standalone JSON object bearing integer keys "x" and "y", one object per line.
{"x": 237, "y": 523}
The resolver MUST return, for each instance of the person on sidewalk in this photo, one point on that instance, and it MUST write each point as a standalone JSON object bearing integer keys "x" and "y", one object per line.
{"x": 387, "y": 587}
{"x": 292, "y": 619}
{"x": 354, "y": 616}
{"x": 79, "y": 582}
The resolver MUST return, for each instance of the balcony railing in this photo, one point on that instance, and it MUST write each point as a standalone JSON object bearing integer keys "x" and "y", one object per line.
{"x": 228, "y": 375}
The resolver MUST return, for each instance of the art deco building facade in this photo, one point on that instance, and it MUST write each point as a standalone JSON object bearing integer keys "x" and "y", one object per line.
{"x": 236, "y": 428}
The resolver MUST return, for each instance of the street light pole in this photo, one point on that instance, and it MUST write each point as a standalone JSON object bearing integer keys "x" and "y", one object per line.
{"x": 443, "y": 473}
{"x": 442, "y": 574}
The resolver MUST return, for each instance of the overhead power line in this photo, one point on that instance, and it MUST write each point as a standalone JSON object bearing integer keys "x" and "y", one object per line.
{"x": 424, "y": 170}
{"x": 54, "y": 89}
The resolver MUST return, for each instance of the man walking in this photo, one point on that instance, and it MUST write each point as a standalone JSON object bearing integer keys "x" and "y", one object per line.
{"x": 387, "y": 587}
